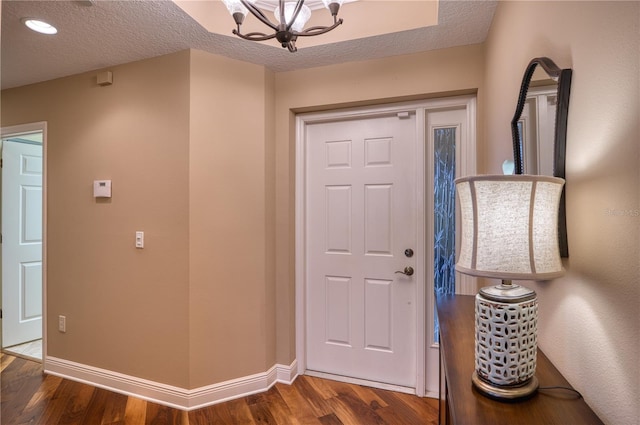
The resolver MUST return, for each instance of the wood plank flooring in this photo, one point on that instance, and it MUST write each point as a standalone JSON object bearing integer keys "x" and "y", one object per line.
{"x": 27, "y": 396}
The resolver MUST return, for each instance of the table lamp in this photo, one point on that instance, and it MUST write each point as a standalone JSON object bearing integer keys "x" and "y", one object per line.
{"x": 509, "y": 232}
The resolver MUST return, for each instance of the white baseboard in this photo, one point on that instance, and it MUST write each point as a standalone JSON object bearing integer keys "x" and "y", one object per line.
{"x": 432, "y": 394}
{"x": 179, "y": 398}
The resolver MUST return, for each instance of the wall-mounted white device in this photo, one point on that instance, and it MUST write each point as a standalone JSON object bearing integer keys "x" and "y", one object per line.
{"x": 102, "y": 188}
{"x": 105, "y": 78}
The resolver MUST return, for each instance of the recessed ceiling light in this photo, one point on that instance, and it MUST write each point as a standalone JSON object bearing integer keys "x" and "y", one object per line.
{"x": 39, "y": 26}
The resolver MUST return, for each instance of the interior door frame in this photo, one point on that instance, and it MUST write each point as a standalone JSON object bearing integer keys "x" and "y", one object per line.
{"x": 17, "y": 130}
{"x": 423, "y": 300}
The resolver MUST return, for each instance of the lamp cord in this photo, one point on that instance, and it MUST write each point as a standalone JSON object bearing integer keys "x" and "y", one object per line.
{"x": 576, "y": 392}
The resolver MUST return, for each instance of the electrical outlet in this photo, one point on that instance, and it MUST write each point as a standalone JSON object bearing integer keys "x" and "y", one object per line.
{"x": 62, "y": 323}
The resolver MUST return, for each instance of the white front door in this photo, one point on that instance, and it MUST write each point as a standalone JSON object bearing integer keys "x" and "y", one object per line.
{"x": 364, "y": 194}
{"x": 361, "y": 218}
{"x": 21, "y": 242}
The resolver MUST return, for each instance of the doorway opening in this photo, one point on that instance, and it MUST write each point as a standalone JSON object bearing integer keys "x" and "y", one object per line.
{"x": 22, "y": 224}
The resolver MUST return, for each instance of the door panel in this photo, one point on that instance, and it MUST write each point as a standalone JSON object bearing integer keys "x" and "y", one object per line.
{"x": 361, "y": 216}
{"x": 338, "y": 217}
{"x": 378, "y": 209}
{"x": 378, "y": 298}
{"x": 338, "y": 310}
{"x": 22, "y": 242}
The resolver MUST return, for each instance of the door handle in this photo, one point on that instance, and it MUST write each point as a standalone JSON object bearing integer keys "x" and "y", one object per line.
{"x": 408, "y": 271}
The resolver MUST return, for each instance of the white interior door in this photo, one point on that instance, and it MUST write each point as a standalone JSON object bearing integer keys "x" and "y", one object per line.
{"x": 538, "y": 130}
{"x": 21, "y": 242}
{"x": 361, "y": 217}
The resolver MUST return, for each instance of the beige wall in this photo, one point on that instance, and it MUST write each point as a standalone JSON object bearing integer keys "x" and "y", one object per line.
{"x": 232, "y": 311}
{"x": 436, "y": 73}
{"x": 126, "y": 308}
{"x": 589, "y": 319}
{"x": 196, "y": 306}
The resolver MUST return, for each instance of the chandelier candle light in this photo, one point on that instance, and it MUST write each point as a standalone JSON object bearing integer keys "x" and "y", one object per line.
{"x": 291, "y": 18}
{"x": 509, "y": 232}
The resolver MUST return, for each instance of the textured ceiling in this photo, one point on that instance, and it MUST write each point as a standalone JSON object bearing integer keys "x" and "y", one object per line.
{"x": 106, "y": 33}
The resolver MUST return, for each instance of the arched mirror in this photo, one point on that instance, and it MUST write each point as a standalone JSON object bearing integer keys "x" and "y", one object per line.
{"x": 539, "y": 127}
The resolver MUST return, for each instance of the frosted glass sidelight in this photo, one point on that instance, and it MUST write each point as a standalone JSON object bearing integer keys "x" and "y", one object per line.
{"x": 444, "y": 212}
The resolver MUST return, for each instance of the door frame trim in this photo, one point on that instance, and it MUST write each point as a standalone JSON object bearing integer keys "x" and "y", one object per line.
{"x": 16, "y": 130}
{"x": 468, "y": 166}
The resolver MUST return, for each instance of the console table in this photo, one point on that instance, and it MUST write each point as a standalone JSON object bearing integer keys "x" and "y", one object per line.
{"x": 463, "y": 405}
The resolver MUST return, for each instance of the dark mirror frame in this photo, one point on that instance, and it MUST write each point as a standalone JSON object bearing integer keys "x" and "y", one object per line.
{"x": 563, "y": 78}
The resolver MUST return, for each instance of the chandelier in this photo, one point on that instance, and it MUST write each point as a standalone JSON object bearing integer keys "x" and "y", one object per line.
{"x": 291, "y": 18}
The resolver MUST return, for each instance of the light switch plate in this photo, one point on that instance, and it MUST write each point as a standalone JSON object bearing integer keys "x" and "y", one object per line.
{"x": 62, "y": 323}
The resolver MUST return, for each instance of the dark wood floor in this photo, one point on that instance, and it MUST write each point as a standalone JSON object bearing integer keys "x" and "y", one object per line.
{"x": 27, "y": 396}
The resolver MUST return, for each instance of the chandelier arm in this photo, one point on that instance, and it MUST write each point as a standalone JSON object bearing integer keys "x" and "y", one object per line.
{"x": 318, "y": 30}
{"x": 282, "y": 20}
{"x": 296, "y": 12}
{"x": 254, "y": 36}
{"x": 258, "y": 14}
